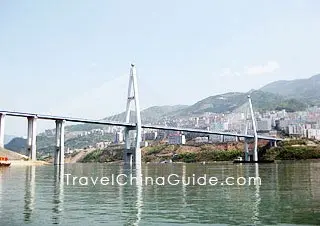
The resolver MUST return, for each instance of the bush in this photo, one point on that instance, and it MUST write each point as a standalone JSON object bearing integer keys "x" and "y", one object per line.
{"x": 93, "y": 156}
{"x": 293, "y": 142}
{"x": 293, "y": 153}
{"x": 186, "y": 157}
{"x": 152, "y": 150}
{"x": 208, "y": 155}
{"x": 219, "y": 155}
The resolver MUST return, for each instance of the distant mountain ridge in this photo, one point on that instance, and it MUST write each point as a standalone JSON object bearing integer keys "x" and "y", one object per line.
{"x": 294, "y": 95}
{"x": 17, "y": 144}
{"x": 8, "y": 138}
{"x": 150, "y": 114}
{"x": 221, "y": 103}
{"x": 306, "y": 90}
{"x": 228, "y": 102}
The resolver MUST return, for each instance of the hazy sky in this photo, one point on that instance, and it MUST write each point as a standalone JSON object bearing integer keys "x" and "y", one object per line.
{"x": 73, "y": 57}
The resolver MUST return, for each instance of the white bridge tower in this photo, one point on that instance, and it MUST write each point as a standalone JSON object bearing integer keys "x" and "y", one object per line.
{"x": 130, "y": 155}
{"x": 255, "y": 134}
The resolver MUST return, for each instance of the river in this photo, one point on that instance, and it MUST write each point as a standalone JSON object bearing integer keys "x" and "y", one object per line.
{"x": 289, "y": 193}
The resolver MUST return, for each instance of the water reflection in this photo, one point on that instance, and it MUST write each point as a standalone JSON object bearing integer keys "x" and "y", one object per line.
{"x": 139, "y": 202}
{"x": 184, "y": 186}
{"x": 255, "y": 217}
{"x": 131, "y": 195}
{"x": 249, "y": 195}
{"x": 58, "y": 194}
{"x": 315, "y": 181}
{"x": 29, "y": 198}
{"x": 1, "y": 181}
{"x": 289, "y": 194}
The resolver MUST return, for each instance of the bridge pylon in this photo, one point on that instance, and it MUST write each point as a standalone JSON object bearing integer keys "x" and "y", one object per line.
{"x": 134, "y": 156}
{"x": 254, "y": 155}
{"x": 255, "y": 151}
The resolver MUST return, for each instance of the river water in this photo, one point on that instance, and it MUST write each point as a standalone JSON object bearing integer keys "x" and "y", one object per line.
{"x": 289, "y": 194}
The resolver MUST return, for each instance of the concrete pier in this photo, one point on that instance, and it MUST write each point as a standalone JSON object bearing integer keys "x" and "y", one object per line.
{"x": 127, "y": 154}
{"x": 273, "y": 143}
{"x": 32, "y": 138}
{"x": 59, "y": 152}
{"x": 2, "y": 118}
{"x": 246, "y": 151}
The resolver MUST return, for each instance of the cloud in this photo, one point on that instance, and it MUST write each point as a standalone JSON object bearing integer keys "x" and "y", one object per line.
{"x": 228, "y": 72}
{"x": 93, "y": 65}
{"x": 269, "y": 67}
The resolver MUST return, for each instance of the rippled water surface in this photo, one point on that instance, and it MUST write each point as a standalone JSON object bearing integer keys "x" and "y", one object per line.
{"x": 289, "y": 194}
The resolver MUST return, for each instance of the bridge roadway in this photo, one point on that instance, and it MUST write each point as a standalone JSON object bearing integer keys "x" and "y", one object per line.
{"x": 132, "y": 125}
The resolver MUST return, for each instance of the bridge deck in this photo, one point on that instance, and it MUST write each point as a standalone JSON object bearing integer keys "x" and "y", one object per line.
{"x": 132, "y": 125}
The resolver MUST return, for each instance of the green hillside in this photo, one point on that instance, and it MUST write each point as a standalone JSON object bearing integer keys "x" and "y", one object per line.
{"x": 306, "y": 90}
{"x": 228, "y": 102}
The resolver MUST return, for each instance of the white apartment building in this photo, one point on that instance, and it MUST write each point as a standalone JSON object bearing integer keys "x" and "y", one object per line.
{"x": 313, "y": 134}
{"x": 119, "y": 138}
{"x": 201, "y": 139}
{"x": 151, "y": 135}
{"x": 264, "y": 124}
{"x": 176, "y": 139}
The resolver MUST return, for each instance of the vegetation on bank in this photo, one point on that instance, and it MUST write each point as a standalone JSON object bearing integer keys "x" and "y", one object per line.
{"x": 208, "y": 155}
{"x": 293, "y": 150}
{"x": 110, "y": 154}
{"x": 286, "y": 150}
{"x": 196, "y": 153}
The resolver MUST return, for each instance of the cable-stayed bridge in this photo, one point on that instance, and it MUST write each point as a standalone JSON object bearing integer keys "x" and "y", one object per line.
{"x": 129, "y": 155}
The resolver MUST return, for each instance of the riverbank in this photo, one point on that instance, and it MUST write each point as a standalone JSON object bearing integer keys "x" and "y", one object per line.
{"x": 292, "y": 150}
{"x": 11, "y": 155}
{"x": 177, "y": 153}
{"x": 195, "y": 153}
{"x": 15, "y": 163}
{"x": 286, "y": 150}
{"x": 17, "y": 159}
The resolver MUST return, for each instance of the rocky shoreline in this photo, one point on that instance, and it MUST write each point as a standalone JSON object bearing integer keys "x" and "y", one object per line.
{"x": 28, "y": 163}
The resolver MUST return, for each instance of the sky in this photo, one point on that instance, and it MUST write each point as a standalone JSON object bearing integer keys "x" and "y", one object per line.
{"x": 73, "y": 57}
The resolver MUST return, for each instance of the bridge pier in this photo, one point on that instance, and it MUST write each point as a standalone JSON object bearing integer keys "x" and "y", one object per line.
{"x": 31, "y": 139}
{"x": 246, "y": 150}
{"x": 273, "y": 143}
{"x": 127, "y": 154}
{"x": 2, "y": 118}
{"x": 59, "y": 152}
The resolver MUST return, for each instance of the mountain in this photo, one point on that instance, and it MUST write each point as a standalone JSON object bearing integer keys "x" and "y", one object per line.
{"x": 222, "y": 103}
{"x": 8, "y": 138}
{"x": 17, "y": 144}
{"x": 150, "y": 114}
{"x": 306, "y": 90}
{"x": 292, "y": 95}
{"x": 228, "y": 102}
